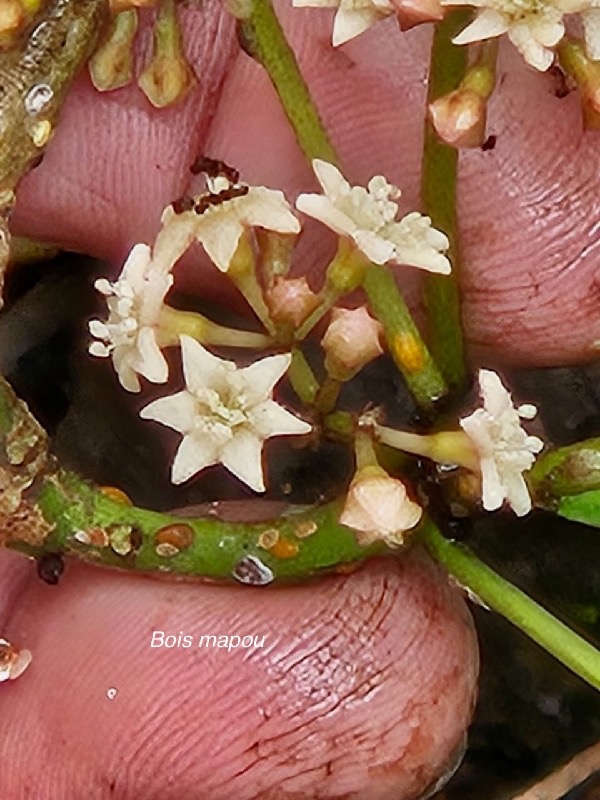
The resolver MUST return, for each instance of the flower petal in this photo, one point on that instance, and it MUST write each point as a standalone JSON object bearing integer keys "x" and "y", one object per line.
{"x": 270, "y": 419}
{"x": 486, "y": 25}
{"x": 176, "y": 235}
{"x": 193, "y": 455}
{"x": 178, "y": 411}
{"x": 200, "y": 368}
{"x": 267, "y": 208}
{"x": 493, "y": 490}
{"x": 219, "y": 233}
{"x": 376, "y": 249}
{"x": 351, "y": 22}
{"x": 257, "y": 380}
{"x": 150, "y": 361}
{"x": 532, "y": 51}
{"x": 591, "y": 31}
{"x": 324, "y": 210}
{"x": 331, "y": 179}
{"x": 242, "y": 456}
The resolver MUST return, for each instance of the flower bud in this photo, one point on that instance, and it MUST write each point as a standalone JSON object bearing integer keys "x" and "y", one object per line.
{"x": 168, "y": 76}
{"x": 166, "y": 80}
{"x": 111, "y": 66}
{"x": 459, "y": 118}
{"x": 586, "y": 74}
{"x": 351, "y": 341}
{"x": 378, "y": 508}
{"x": 290, "y": 301}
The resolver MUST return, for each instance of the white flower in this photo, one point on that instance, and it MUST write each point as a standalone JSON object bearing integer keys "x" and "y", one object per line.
{"x": 218, "y": 223}
{"x": 353, "y": 16}
{"x": 225, "y": 414}
{"x": 533, "y": 26}
{"x": 378, "y": 508}
{"x": 368, "y": 217}
{"x": 134, "y": 303}
{"x": 505, "y": 450}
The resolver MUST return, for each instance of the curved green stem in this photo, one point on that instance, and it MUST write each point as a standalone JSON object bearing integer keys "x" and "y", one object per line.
{"x": 174, "y": 322}
{"x": 438, "y": 197}
{"x": 44, "y": 509}
{"x": 497, "y": 593}
{"x": 264, "y": 39}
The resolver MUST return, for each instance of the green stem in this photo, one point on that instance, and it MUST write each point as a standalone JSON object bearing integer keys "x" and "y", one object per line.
{"x": 438, "y": 198}
{"x": 44, "y": 509}
{"x": 173, "y": 323}
{"x": 328, "y": 395}
{"x": 405, "y": 343}
{"x": 302, "y": 378}
{"x": 265, "y": 40}
{"x": 494, "y": 591}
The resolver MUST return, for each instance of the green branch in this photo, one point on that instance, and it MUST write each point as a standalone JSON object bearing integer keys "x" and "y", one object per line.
{"x": 498, "y": 594}
{"x": 438, "y": 198}
{"x": 407, "y": 348}
{"x": 44, "y": 509}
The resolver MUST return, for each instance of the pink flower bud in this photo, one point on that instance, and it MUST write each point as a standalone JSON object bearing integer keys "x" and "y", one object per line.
{"x": 378, "y": 508}
{"x": 414, "y": 12}
{"x": 350, "y": 342}
{"x": 290, "y": 301}
{"x": 459, "y": 118}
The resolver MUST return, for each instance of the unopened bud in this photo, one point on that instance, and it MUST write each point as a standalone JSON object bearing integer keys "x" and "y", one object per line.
{"x": 459, "y": 118}
{"x": 351, "y": 341}
{"x": 414, "y": 12}
{"x": 111, "y": 66}
{"x": 168, "y": 76}
{"x": 586, "y": 74}
{"x": 291, "y": 301}
{"x": 378, "y": 508}
{"x": 166, "y": 80}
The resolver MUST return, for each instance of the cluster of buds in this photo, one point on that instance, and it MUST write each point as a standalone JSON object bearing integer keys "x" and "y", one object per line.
{"x": 168, "y": 76}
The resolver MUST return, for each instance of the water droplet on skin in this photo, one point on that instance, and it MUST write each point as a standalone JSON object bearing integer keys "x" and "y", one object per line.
{"x": 38, "y": 98}
{"x": 111, "y": 693}
{"x": 252, "y": 572}
{"x": 12, "y": 662}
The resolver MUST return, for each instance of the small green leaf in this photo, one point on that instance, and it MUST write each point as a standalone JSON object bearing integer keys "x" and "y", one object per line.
{"x": 581, "y": 508}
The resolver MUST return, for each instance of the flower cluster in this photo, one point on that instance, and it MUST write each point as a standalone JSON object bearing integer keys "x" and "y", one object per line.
{"x": 535, "y": 27}
{"x": 368, "y": 218}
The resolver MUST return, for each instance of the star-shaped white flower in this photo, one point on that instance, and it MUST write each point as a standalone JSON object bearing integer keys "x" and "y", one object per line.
{"x": 368, "y": 217}
{"x": 353, "y": 16}
{"x": 134, "y": 303}
{"x": 225, "y": 414}
{"x": 533, "y": 26}
{"x": 378, "y": 508}
{"x": 505, "y": 450}
{"x": 221, "y": 222}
